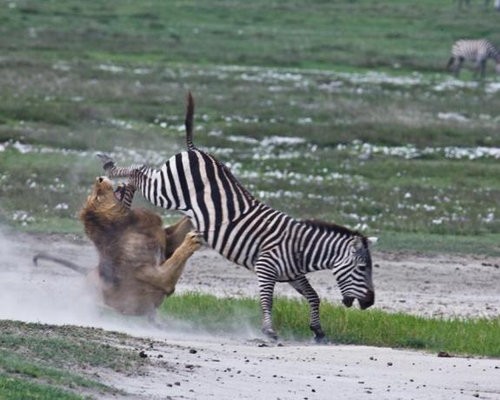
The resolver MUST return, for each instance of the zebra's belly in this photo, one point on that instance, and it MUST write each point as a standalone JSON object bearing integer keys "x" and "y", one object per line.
{"x": 234, "y": 242}
{"x": 245, "y": 259}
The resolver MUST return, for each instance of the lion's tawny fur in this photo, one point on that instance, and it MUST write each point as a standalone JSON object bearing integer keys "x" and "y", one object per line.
{"x": 140, "y": 262}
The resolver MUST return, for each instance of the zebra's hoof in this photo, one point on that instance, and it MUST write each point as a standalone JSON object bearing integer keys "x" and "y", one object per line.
{"x": 319, "y": 335}
{"x": 107, "y": 161}
{"x": 270, "y": 333}
{"x": 321, "y": 340}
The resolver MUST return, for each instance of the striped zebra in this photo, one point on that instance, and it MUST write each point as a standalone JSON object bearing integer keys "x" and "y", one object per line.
{"x": 478, "y": 51}
{"x": 277, "y": 247}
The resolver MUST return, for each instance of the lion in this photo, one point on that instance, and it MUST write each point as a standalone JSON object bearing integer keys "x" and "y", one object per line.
{"x": 140, "y": 262}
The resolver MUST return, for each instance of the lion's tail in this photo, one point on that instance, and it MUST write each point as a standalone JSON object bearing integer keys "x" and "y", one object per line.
{"x": 66, "y": 263}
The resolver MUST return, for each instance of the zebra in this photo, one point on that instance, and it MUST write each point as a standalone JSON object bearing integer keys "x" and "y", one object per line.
{"x": 477, "y": 51}
{"x": 272, "y": 244}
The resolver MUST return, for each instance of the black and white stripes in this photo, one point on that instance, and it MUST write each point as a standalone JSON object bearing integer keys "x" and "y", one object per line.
{"x": 277, "y": 247}
{"x": 477, "y": 51}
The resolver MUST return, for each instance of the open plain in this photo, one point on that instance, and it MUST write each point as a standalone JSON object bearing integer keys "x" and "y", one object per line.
{"x": 334, "y": 110}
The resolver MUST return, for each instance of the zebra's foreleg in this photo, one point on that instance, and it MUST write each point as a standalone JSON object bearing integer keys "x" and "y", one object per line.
{"x": 303, "y": 286}
{"x": 128, "y": 195}
{"x": 451, "y": 62}
{"x": 111, "y": 170}
{"x": 482, "y": 68}
{"x": 457, "y": 66}
{"x": 125, "y": 194}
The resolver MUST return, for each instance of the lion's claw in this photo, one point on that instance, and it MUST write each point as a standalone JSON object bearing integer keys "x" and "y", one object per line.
{"x": 195, "y": 239}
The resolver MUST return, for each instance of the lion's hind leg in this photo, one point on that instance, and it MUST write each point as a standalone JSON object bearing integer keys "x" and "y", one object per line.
{"x": 176, "y": 234}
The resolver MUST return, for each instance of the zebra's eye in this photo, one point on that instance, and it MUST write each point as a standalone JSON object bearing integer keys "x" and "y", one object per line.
{"x": 362, "y": 267}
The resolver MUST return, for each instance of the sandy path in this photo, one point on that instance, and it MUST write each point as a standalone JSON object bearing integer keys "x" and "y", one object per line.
{"x": 221, "y": 368}
{"x": 246, "y": 367}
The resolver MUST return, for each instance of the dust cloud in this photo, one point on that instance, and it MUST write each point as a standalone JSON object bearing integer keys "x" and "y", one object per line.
{"x": 50, "y": 293}
{"x": 46, "y": 293}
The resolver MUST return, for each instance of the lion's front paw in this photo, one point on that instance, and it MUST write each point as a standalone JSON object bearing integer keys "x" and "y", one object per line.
{"x": 194, "y": 240}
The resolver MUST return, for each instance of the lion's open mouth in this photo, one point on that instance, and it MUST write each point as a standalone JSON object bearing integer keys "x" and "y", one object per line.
{"x": 120, "y": 192}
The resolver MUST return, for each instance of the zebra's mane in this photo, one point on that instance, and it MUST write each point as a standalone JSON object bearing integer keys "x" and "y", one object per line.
{"x": 332, "y": 227}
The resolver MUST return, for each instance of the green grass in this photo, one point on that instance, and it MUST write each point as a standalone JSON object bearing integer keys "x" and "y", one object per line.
{"x": 438, "y": 244}
{"x": 478, "y": 337}
{"x": 80, "y": 78}
{"x": 36, "y": 360}
{"x": 12, "y": 388}
{"x": 293, "y": 34}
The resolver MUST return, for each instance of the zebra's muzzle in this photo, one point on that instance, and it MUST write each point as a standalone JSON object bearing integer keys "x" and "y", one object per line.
{"x": 364, "y": 303}
{"x": 348, "y": 301}
{"x": 367, "y": 301}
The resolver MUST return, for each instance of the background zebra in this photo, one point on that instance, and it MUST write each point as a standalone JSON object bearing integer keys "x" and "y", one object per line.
{"x": 477, "y": 51}
{"x": 277, "y": 247}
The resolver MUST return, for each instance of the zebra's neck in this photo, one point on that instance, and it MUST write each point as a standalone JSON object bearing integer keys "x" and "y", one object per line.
{"x": 492, "y": 51}
{"x": 320, "y": 245}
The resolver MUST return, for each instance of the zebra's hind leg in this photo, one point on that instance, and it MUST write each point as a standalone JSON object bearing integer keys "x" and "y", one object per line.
{"x": 303, "y": 286}
{"x": 267, "y": 281}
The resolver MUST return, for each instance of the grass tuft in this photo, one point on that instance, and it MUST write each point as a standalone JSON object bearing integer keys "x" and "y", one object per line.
{"x": 372, "y": 327}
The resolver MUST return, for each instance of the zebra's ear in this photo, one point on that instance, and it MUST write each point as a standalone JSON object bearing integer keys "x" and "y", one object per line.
{"x": 372, "y": 240}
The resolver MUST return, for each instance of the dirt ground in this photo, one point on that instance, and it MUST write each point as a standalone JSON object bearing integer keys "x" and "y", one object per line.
{"x": 244, "y": 365}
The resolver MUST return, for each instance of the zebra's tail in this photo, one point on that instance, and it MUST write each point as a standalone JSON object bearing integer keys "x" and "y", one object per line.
{"x": 188, "y": 122}
{"x": 66, "y": 263}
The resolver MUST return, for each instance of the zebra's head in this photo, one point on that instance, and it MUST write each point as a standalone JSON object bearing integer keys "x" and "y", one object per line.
{"x": 355, "y": 276}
